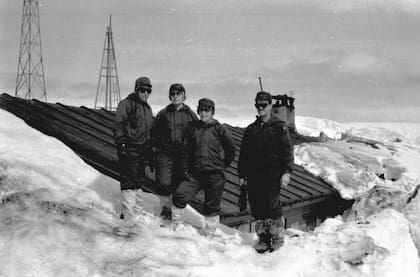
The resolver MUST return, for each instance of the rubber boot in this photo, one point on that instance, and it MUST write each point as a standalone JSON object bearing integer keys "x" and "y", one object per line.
{"x": 178, "y": 214}
{"x": 264, "y": 237}
{"x": 128, "y": 200}
{"x": 276, "y": 231}
{"x": 166, "y": 206}
{"x": 138, "y": 208}
{"x": 211, "y": 223}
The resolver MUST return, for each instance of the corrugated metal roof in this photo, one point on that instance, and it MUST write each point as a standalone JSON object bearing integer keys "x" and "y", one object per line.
{"x": 88, "y": 132}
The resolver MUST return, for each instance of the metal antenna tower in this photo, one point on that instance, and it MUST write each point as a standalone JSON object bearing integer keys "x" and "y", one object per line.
{"x": 108, "y": 92}
{"x": 30, "y": 72}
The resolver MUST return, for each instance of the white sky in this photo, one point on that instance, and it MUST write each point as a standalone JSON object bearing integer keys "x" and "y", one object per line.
{"x": 346, "y": 60}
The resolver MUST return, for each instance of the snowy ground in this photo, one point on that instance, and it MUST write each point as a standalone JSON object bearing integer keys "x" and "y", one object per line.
{"x": 58, "y": 216}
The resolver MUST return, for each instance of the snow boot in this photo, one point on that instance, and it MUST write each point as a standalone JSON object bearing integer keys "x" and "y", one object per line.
{"x": 166, "y": 214}
{"x": 276, "y": 232}
{"x": 131, "y": 205}
{"x": 264, "y": 236}
{"x": 211, "y": 222}
{"x": 178, "y": 214}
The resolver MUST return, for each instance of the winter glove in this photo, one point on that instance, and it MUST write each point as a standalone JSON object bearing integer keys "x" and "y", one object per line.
{"x": 186, "y": 176}
{"x": 243, "y": 195}
{"x": 285, "y": 179}
{"x": 122, "y": 150}
{"x": 185, "y": 167}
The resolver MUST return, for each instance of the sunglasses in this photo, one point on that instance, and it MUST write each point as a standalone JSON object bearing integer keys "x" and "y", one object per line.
{"x": 145, "y": 90}
{"x": 199, "y": 110}
{"x": 175, "y": 93}
{"x": 261, "y": 106}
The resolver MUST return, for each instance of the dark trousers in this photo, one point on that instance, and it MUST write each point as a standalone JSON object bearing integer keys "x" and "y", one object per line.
{"x": 169, "y": 172}
{"x": 131, "y": 168}
{"x": 264, "y": 195}
{"x": 211, "y": 182}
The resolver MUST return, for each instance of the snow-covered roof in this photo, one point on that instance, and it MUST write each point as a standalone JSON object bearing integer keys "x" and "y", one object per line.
{"x": 88, "y": 132}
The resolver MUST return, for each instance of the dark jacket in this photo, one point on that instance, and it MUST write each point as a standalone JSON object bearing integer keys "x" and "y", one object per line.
{"x": 133, "y": 121}
{"x": 266, "y": 147}
{"x": 209, "y": 146}
{"x": 170, "y": 125}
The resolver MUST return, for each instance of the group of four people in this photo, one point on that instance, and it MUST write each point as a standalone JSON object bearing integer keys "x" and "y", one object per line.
{"x": 191, "y": 153}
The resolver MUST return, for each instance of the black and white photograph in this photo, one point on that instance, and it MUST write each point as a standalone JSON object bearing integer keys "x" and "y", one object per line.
{"x": 194, "y": 138}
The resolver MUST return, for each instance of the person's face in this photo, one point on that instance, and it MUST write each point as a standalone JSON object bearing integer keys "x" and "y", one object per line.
{"x": 263, "y": 108}
{"x": 144, "y": 93}
{"x": 177, "y": 97}
{"x": 206, "y": 114}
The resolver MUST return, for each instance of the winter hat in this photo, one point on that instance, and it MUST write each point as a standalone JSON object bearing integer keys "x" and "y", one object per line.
{"x": 205, "y": 103}
{"x": 142, "y": 82}
{"x": 263, "y": 96}
{"x": 177, "y": 87}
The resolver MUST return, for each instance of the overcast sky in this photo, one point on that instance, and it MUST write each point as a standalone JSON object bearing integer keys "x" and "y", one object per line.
{"x": 353, "y": 60}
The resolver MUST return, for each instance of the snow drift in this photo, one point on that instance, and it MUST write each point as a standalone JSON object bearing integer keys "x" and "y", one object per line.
{"x": 58, "y": 217}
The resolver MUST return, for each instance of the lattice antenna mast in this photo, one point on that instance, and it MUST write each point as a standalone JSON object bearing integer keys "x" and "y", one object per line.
{"x": 108, "y": 92}
{"x": 30, "y": 81}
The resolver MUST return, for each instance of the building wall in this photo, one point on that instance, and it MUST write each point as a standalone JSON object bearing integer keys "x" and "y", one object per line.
{"x": 301, "y": 218}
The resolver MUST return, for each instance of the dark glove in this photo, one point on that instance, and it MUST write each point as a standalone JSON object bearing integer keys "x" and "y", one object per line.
{"x": 149, "y": 158}
{"x": 243, "y": 198}
{"x": 186, "y": 176}
{"x": 122, "y": 150}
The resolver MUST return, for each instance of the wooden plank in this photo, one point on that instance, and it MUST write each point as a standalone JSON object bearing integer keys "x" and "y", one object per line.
{"x": 89, "y": 116}
{"x": 65, "y": 121}
{"x": 84, "y": 121}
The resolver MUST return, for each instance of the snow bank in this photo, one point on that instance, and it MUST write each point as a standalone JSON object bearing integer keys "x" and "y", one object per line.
{"x": 58, "y": 217}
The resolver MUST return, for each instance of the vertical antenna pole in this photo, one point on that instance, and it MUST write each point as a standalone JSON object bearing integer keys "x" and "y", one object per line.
{"x": 261, "y": 87}
{"x": 108, "y": 95}
{"x": 30, "y": 81}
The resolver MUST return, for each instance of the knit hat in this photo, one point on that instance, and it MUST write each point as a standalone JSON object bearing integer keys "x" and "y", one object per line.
{"x": 177, "y": 87}
{"x": 263, "y": 96}
{"x": 205, "y": 103}
{"x": 142, "y": 82}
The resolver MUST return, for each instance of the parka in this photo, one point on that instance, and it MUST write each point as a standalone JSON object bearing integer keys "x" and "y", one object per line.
{"x": 168, "y": 131}
{"x": 266, "y": 147}
{"x": 210, "y": 146}
{"x": 133, "y": 121}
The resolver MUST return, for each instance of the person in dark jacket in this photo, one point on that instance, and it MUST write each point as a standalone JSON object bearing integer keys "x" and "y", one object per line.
{"x": 168, "y": 134}
{"x": 265, "y": 161}
{"x": 210, "y": 148}
{"x": 132, "y": 124}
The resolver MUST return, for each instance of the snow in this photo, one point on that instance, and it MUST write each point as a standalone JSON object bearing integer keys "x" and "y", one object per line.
{"x": 58, "y": 216}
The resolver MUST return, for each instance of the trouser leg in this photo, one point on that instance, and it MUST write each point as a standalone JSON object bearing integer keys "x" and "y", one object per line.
{"x": 132, "y": 168}
{"x": 185, "y": 192}
{"x": 164, "y": 167}
{"x": 264, "y": 196}
{"x": 212, "y": 184}
{"x": 164, "y": 172}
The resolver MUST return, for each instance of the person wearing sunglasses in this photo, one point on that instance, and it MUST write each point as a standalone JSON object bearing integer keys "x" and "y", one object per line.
{"x": 210, "y": 149}
{"x": 265, "y": 162}
{"x": 168, "y": 133}
{"x": 132, "y": 124}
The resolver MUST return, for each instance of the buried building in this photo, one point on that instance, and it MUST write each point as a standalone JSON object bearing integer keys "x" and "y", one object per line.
{"x": 88, "y": 132}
